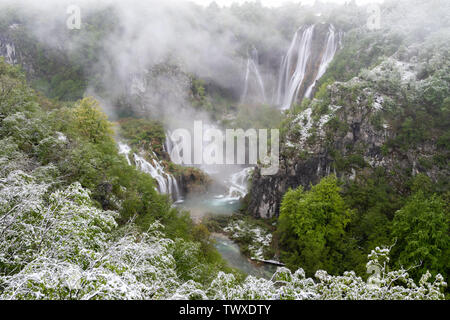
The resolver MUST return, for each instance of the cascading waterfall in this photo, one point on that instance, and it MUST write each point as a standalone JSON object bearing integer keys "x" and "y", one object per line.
{"x": 290, "y": 85}
{"x": 156, "y": 174}
{"x": 167, "y": 184}
{"x": 295, "y": 65}
{"x": 330, "y": 50}
{"x": 125, "y": 150}
{"x": 236, "y": 183}
{"x": 239, "y": 184}
{"x": 8, "y": 51}
{"x": 252, "y": 69}
{"x": 172, "y": 148}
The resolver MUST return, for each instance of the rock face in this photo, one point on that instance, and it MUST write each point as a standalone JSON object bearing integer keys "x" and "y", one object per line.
{"x": 345, "y": 133}
{"x": 193, "y": 181}
{"x": 308, "y": 158}
{"x": 11, "y": 52}
{"x": 8, "y": 50}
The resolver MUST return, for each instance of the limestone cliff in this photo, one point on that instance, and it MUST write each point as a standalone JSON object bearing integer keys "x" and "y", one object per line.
{"x": 372, "y": 121}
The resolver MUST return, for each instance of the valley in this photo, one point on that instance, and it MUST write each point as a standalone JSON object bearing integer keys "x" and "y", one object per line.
{"x": 185, "y": 151}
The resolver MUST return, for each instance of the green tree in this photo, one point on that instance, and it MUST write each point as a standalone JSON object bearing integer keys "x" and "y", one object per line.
{"x": 91, "y": 122}
{"x": 312, "y": 226}
{"x": 421, "y": 228}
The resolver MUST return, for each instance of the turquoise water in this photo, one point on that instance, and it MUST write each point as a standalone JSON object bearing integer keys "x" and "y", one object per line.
{"x": 199, "y": 207}
{"x": 222, "y": 206}
{"x": 231, "y": 253}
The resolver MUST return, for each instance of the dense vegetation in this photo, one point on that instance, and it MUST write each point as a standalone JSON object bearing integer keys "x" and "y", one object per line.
{"x": 72, "y": 148}
{"x": 78, "y": 222}
{"x": 317, "y": 230}
{"x": 401, "y": 202}
{"x": 58, "y": 242}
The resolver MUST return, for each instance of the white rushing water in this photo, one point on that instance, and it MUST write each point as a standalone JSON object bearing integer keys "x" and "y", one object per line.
{"x": 332, "y": 44}
{"x": 296, "y": 59}
{"x": 8, "y": 51}
{"x": 235, "y": 181}
{"x": 238, "y": 184}
{"x": 167, "y": 184}
{"x": 294, "y": 64}
{"x": 125, "y": 150}
{"x": 252, "y": 74}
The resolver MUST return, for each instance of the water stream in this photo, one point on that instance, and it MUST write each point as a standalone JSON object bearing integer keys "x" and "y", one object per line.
{"x": 224, "y": 204}
{"x": 231, "y": 253}
{"x": 167, "y": 184}
{"x": 296, "y": 59}
{"x": 293, "y": 69}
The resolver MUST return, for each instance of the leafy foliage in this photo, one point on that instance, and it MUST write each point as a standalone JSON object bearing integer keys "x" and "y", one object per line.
{"x": 316, "y": 220}
{"x": 421, "y": 228}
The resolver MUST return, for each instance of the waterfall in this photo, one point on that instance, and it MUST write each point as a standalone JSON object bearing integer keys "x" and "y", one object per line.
{"x": 167, "y": 184}
{"x": 332, "y": 43}
{"x": 125, "y": 150}
{"x": 300, "y": 48}
{"x": 8, "y": 51}
{"x": 238, "y": 184}
{"x": 156, "y": 174}
{"x": 252, "y": 69}
{"x": 297, "y": 62}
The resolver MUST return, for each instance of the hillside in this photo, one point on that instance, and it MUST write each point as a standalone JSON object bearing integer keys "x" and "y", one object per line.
{"x": 94, "y": 205}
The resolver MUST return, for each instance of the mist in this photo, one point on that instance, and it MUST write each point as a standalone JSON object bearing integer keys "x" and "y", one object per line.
{"x": 154, "y": 48}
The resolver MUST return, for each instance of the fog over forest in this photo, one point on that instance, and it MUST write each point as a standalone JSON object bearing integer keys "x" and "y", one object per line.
{"x": 97, "y": 200}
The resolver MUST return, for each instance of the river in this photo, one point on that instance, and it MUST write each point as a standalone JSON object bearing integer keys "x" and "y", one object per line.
{"x": 216, "y": 203}
{"x": 231, "y": 253}
{"x": 226, "y": 205}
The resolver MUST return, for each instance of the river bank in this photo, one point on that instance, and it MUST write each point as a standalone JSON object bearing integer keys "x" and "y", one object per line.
{"x": 216, "y": 212}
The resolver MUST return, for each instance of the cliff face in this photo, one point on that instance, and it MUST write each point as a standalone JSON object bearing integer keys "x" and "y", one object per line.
{"x": 11, "y": 52}
{"x": 311, "y": 153}
{"x": 8, "y": 50}
{"x": 359, "y": 126}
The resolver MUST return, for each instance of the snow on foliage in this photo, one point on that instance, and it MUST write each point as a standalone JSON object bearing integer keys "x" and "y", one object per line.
{"x": 284, "y": 284}
{"x": 261, "y": 239}
{"x": 57, "y": 245}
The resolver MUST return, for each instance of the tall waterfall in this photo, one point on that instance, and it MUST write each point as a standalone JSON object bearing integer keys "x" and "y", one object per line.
{"x": 252, "y": 73}
{"x": 298, "y": 65}
{"x": 296, "y": 59}
{"x": 167, "y": 184}
{"x": 332, "y": 44}
{"x": 8, "y": 51}
{"x": 172, "y": 148}
{"x": 237, "y": 183}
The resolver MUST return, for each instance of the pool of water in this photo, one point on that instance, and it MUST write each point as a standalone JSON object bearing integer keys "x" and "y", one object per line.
{"x": 199, "y": 207}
